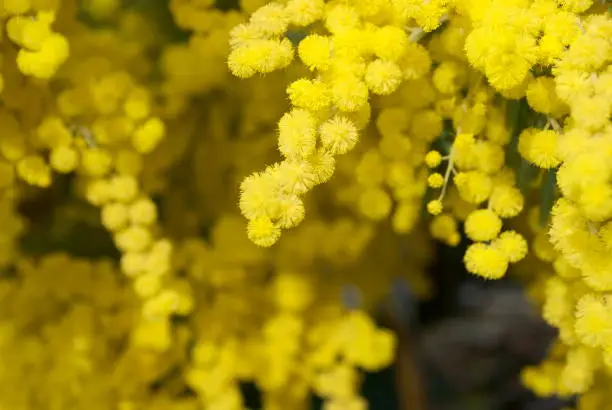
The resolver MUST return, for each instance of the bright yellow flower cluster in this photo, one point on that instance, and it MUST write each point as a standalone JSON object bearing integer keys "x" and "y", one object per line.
{"x": 500, "y": 100}
{"x": 575, "y": 296}
{"x": 299, "y": 339}
{"x": 111, "y": 123}
{"x": 378, "y": 126}
{"x": 359, "y": 51}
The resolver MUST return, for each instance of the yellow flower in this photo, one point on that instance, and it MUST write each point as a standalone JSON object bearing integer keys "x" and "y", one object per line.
{"x": 263, "y": 56}
{"x": 133, "y": 239}
{"x": 596, "y": 201}
{"x": 98, "y": 191}
{"x": 294, "y": 177}
{"x": 375, "y": 203}
{"x": 45, "y": 62}
{"x": 512, "y": 244}
{"x": 340, "y": 18}
{"x": 291, "y": 211}
{"x": 542, "y": 97}
{"x": 312, "y": 95}
{"x": 147, "y": 136}
{"x": 592, "y": 113}
{"x": 315, "y": 52}
{"x": 433, "y": 159}
{"x": 405, "y": 216}
{"x": 575, "y": 6}
{"x": 593, "y": 318}
{"x": 449, "y": 77}
{"x": 506, "y": 201}
{"x": 482, "y": 225}
{"x": 143, "y": 211}
{"x": 114, "y": 216}
{"x": 34, "y": 171}
{"x": 263, "y": 232}
{"x": 562, "y": 25}
{"x": 474, "y": 187}
{"x": 258, "y": 196}
{"x": 64, "y": 159}
{"x": 304, "y": 12}
{"x": 270, "y": 20}
{"x": 338, "y": 135}
{"x": 96, "y": 162}
{"x": 17, "y": 6}
{"x": 434, "y": 207}
{"x": 435, "y": 180}
{"x": 415, "y": 62}
{"x": 444, "y": 228}
{"x": 485, "y": 261}
{"x": 578, "y": 373}
{"x": 540, "y": 147}
{"x": 490, "y": 157}
{"x": 426, "y": 125}
{"x": 390, "y": 43}
{"x": 383, "y": 77}
{"x": 124, "y": 188}
{"x": 292, "y": 291}
{"x": 349, "y": 93}
{"x": 297, "y": 134}
{"x": 543, "y": 384}
{"x": 323, "y": 166}
{"x": 154, "y": 334}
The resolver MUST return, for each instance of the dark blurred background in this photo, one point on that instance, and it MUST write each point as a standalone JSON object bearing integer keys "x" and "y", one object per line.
{"x": 462, "y": 349}
{"x": 468, "y": 344}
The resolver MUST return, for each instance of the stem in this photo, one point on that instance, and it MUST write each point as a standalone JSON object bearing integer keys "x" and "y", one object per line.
{"x": 447, "y": 174}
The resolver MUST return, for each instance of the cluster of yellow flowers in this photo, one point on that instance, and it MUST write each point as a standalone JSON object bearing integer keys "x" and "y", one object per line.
{"x": 483, "y": 93}
{"x": 484, "y": 119}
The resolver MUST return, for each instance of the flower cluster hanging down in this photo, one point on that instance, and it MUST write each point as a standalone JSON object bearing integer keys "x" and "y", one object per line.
{"x": 350, "y": 134}
{"x": 475, "y": 107}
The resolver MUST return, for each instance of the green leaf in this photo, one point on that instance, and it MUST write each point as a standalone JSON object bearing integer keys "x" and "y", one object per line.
{"x": 516, "y": 119}
{"x": 295, "y": 36}
{"x": 547, "y": 195}
{"x": 525, "y": 174}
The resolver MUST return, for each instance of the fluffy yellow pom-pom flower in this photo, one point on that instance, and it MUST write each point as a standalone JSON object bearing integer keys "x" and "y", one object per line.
{"x": 304, "y": 12}
{"x": 593, "y": 320}
{"x": 542, "y": 97}
{"x": 291, "y": 211}
{"x": 435, "y": 180}
{"x": 485, "y": 261}
{"x": 540, "y": 147}
{"x": 473, "y": 186}
{"x": 433, "y": 159}
{"x": 263, "y": 232}
{"x": 258, "y": 193}
{"x": 309, "y": 94}
{"x": 315, "y": 52}
{"x": 349, "y": 93}
{"x": 383, "y": 77}
{"x": 375, "y": 203}
{"x": 434, "y": 207}
{"x": 338, "y": 135}
{"x": 297, "y": 136}
{"x": 482, "y": 225}
{"x": 390, "y": 43}
{"x": 64, "y": 159}
{"x": 506, "y": 201}
{"x": 512, "y": 244}
{"x": 114, "y": 216}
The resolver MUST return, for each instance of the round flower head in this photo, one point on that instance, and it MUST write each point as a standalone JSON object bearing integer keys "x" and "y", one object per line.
{"x": 485, "y": 261}
{"x": 338, "y": 135}
{"x": 263, "y": 232}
